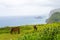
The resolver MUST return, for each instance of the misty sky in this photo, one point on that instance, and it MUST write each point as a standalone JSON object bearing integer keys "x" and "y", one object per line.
{"x": 27, "y": 7}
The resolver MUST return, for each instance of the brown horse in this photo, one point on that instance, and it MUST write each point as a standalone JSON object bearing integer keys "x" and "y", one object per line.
{"x": 15, "y": 29}
{"x": 35, "y": 28}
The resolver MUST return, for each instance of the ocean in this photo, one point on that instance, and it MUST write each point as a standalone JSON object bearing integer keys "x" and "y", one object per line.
{"x": 21, "y": 20}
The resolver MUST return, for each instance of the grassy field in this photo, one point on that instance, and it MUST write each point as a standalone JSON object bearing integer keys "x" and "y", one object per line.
{"x": 44, "y": 32}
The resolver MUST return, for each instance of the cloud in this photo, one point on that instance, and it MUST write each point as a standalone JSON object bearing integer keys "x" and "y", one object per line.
{"x": 27, "y": 7}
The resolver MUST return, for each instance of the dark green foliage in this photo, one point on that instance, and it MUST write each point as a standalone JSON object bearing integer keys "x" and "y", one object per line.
{"x": 55, "y": 17}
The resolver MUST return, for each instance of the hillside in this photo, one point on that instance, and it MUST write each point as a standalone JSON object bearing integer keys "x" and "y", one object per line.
{"x": 54, "y": 16}
{"x": 27, "y": 32}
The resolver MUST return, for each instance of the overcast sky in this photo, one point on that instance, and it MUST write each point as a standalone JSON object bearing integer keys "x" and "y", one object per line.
{"x": 27, "y": 7}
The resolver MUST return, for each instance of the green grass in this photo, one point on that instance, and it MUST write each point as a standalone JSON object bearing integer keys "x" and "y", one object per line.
{"x": 44, "y": 32}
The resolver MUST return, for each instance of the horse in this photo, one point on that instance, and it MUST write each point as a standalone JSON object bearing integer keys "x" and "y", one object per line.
{"x": 35, "y": 28}
{"x": 15, "y": 29}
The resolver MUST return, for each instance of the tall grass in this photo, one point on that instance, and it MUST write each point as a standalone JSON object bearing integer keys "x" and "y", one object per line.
{"x": 44, "y": 32}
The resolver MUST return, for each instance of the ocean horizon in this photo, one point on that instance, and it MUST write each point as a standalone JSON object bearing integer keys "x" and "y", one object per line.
{"x": 18, "y": 21}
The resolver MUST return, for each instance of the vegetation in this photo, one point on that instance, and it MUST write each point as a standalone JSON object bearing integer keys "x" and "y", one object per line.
{"x": 55, "y": 17}
{"x": 44, "y": 32}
